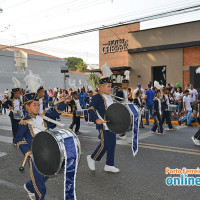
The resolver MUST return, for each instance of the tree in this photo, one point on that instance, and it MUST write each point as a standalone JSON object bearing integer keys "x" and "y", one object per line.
{"x": 72, "y": 62}
{"x": 81, "y": 66}
{"x": 93, "y": 80}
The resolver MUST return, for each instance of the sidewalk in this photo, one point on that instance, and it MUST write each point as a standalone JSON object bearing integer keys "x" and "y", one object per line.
{"x": 150, "y": 121}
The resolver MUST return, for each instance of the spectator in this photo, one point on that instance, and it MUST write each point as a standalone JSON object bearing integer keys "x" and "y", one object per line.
{"x": 130, "y": 96}
{"x": 149, "y": 96}
{"x": 187, "y": 108}
{"x": 50, "y": 92}
{"x": 46, "y": 99}
{"x": 139, "y": 86}
{"x": 193, "y": 98}
{"x": 82, "y": 97}
{"x": 178, "y": 97}
{"x": 4, "y": 103}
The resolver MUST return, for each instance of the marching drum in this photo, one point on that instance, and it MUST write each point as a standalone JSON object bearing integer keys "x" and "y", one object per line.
{"x": 48, "y": 150}
{"x": 172, "y": 108}
{"x": 17, "y": 114}
{"x": 119, "y": 118}
{"x": 79, "y": 113}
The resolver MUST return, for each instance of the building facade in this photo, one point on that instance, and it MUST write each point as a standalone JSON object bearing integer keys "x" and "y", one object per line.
{"x": 17, "y": 62}
{"x": 167, "y": 54}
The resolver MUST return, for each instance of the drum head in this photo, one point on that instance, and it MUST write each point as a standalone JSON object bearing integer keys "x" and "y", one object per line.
{"x": 46, "y": 154}
{"x": 118, "y": 117}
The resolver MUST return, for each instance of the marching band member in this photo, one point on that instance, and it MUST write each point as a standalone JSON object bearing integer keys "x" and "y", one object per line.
{"x": 36, "y": 186}
{"x": 166, "y": 112}
{"x": 157, "y": 115}
{"x": 40, "y": 92}
{"x": 123, "y": 94}
{"x": 97, "y": 109}
{"x": 75, "y": 104}
{"x": 138, "y": 101}
{"x": 14, "y": 104}
{"x": 89, "y": 98}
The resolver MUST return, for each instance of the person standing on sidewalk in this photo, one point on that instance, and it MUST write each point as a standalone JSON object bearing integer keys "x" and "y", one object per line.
{"x": 149, "y": 96}
{"x": 157, "y": 115}
{"x": 187, "y": 108}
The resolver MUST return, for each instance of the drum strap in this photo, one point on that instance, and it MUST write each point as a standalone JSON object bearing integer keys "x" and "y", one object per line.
{"x": 71, "y": 163}
{"x": 135, "y": 130}
{"x": 99, "y": 116}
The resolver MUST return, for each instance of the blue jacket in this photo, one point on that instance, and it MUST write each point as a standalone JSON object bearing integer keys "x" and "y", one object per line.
{"x": 25, "y": 133}
{"x": 10, "y": 102}
{"x": 97, "y": 104}
{"x": 120, "y": 94}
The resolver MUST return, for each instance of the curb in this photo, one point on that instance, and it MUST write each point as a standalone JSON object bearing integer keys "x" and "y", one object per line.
{"x": 144, "y": 120}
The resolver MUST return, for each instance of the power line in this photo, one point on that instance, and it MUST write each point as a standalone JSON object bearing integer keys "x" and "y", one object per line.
{"x": 142, "y": 19}
{"x": 61, "y": 60}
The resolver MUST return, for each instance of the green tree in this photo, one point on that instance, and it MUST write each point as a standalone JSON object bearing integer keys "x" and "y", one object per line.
{"x": 81, "y": 66}
{"x": 93, "y": 80}
{"x": 72, "y": 62}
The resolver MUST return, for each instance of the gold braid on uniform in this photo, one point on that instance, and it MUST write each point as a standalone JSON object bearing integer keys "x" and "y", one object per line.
{"x": 21, "y": 142}
{"x": 102, "y": 145}
{"x": 33, "y": 180}
{"x": 25, "y": 122}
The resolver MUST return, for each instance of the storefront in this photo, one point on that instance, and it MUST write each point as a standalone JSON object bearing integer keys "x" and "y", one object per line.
{"x": 167, "y": 54}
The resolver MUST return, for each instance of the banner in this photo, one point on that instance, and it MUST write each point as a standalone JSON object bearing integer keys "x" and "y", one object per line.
{"x": 135, "y": 131}
{"x": 71, "y": 162}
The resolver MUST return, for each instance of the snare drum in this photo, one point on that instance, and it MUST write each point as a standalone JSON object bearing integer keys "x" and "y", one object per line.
{"x": 79, "y": 113}
{"x": 17, "y": 114}
{"x": 119, "y": 118}
{"x": 48, "y": 150}
{"x": 172, "y": 108}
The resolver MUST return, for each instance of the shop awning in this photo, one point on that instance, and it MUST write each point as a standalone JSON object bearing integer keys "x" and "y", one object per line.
{"x": 112, "y": 69}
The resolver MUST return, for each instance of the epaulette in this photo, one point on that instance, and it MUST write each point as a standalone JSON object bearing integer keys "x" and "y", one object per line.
{"x": 25, "y": 122}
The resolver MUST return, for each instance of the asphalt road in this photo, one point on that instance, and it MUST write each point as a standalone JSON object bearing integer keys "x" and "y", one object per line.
{"x": 142, "y": 177}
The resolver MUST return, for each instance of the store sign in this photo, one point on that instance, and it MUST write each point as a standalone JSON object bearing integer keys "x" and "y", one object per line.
{"x": 115, "y": 46}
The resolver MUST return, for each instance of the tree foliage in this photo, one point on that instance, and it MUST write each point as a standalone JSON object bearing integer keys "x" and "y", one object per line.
{"x": 72, "y": 63}
{"x": 81, "y": 66}
{"x": 94, "y": 80}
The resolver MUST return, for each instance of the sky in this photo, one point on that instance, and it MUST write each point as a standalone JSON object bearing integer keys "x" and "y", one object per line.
{"x": 28, "y": 20}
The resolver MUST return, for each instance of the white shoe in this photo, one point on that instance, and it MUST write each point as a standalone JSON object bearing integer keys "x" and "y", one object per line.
{"x": 122, "y": 137}
{"x": 196, "y": 142}
{"x": 30, "y": 194}
{"x": 91, "y": 163}
{"x": 153, "y": 132}
{"x": 113, "y": 169}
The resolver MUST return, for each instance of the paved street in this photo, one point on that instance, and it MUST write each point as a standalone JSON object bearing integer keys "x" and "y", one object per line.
{"x": 142, "y": 177}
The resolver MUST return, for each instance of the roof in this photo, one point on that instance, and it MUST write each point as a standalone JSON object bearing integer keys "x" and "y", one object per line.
{"x": 165, "y": 26}
{"x": 28, "y": 51}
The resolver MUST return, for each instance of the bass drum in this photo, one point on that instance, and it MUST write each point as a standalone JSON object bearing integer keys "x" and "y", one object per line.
{"x": 119, "y": 118}
{"x": 48, "y": 150}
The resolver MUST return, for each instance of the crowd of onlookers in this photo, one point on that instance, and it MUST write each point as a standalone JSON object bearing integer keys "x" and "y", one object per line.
{"x": 187, "y": 100}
